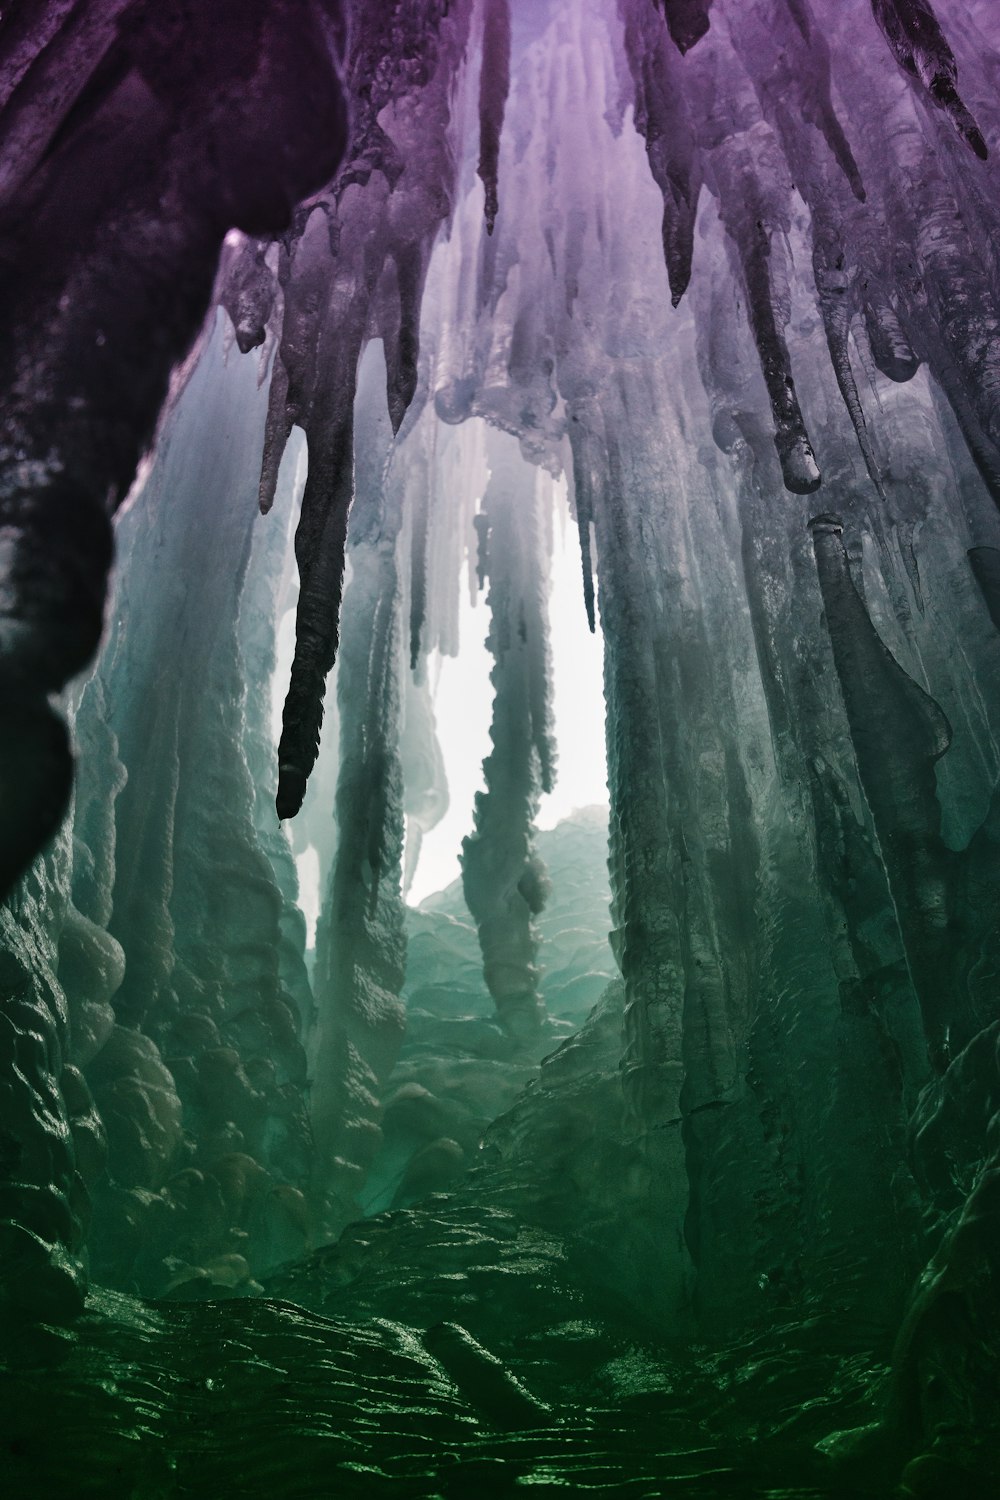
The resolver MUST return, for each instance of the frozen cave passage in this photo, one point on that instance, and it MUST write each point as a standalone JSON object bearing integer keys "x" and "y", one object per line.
{"x": 500, "y": 748}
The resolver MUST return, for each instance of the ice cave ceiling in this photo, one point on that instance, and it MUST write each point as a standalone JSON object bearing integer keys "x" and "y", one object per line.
{"x": 658, "y": 1153}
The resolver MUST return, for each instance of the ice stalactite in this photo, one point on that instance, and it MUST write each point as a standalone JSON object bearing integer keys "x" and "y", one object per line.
{"x": 934, "y": 221}
{"x": 494, "y": 82}
{"x": 753, "y": 188}
{"x": 504, "y": 880}
{"x": 785, "y": 53}
{"x": 264, "y": 603}
{"x": 584, "y": 481}
{"x": 783, "y": 48}
{"x": 834, "y": 286}
{"x": 357, "y": 261}
{"x": 931, "y": 883}
{"x": 321, "y": 401}
{"x": 686, "y": 757}
{"x": 361, "y": 945}
{"x": 688, "y": 20}
{"x": 247, "y": 289}
{"x": 919, "y": 46}
{"x": 662, "y": 117}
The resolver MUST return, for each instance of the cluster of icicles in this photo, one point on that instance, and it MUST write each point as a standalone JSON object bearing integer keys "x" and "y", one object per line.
{"x": 857, "y": 108}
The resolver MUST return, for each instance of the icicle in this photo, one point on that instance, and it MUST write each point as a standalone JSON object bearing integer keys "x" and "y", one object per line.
{"x": 939, "y": 305}
{"x": 891, "y": 349}
{"x": 454, "y": 486}
{"x": 494, "y": 84}
{"x": 788, "y": 59}
{"x": 248, "y": 293}
{"x": 811, "y": 83}
{"x": 587, "y": 567}
{"x": 661, "y": 117}
{"x": 687, "y": 20}
{"x": 420, "y": 513}
{"x": 206, "y": 1032}
{"x": 320, "y": 542}
{"x": 384, "y": 211}
{"x": 751, "y": 179}
{"x": 795, "y": 454}
{"x": 535, "y": 627}
{"x": 304, "y": 278}
{"x": 919, "y": 46}
{"x": 403, "y": 350}
{"x": 787, "y": 56}
{"x": 583, "y": 503}
{"x": 835, "y": 299}
{"x": 481, "y": 522}
{"x": 320, "y": 393}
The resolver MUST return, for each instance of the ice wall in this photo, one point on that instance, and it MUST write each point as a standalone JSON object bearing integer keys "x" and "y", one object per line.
{"x": 732, "y": 269}
{"x": 199, "y": 1071}
{"x": 728, "y": 264}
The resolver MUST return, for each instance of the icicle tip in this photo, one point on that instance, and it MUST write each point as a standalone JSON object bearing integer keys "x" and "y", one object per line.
{"x": 291, "y": 791}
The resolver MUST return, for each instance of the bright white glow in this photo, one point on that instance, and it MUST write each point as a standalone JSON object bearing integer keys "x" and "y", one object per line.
{"x": 463, "y": 700}
{"x": 307, "y": 866}
{"x": 463, "y": 705}
{"x": 578, "y": 682}
{"x": 292, "y": 473}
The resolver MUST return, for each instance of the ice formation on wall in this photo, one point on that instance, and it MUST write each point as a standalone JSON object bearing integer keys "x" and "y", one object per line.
{"x": 730, "y": 268}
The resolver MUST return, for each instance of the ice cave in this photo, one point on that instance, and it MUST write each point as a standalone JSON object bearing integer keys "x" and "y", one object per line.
{"x": 500, "y": 749}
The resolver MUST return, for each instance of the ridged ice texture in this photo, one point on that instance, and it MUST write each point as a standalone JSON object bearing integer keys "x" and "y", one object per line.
{"x": 174, "y": 934}
{"x": 705, "y": 261}
{"x": 361, "y": 946}
{"x": 701, "y": 276}
{"x": 751, "y": 109}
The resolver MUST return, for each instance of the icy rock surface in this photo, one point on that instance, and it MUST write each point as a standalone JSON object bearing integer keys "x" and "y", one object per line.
{"x": 186, "y": 988}
{"x": 265, "y": 1396}
{"x": 727, "y": 270}
{"x": 460, "y": 1066}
